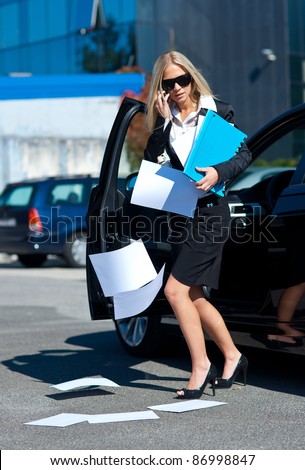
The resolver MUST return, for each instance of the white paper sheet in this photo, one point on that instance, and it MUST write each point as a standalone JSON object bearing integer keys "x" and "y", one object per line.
{"x": 124, "y": 269}
{"x": 61, "y": 420}
{"x": 85, "y": 382}
{"x": 188, "y": 405}
{"x": 66, "y": 419}
{"x": 165, "y": 188}
{"x": 128, "y": 304}
{"x": 117, "y": 417}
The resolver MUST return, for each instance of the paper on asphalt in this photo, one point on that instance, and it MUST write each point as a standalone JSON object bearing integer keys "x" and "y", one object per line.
{"x": 128, "y": 304}
{"x": 66, "y": 419}
{"x": 60, "y": 420}
{"x": 186, "y": 406}
{"x": 124, "y": 269}
{"x": 118, "y": 417}
{"x": 85, "y": 382}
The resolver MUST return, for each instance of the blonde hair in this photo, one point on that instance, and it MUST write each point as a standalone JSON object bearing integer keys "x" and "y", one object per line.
{"x": 199, "y": 84}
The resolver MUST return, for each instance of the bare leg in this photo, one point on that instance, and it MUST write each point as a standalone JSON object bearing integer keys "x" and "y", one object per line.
{"x": 188, "y": 317}
{"x": 288, "y": 303}
{"x": 216, "y": 328}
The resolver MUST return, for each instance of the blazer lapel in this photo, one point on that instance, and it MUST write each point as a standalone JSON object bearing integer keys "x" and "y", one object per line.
{"x": 201, "y": 116}
{"x": 175, "y": 161}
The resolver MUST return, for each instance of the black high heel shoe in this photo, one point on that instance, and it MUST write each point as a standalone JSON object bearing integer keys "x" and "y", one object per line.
{"x": 242, "y": 366}
{"x": 189, "y": 394}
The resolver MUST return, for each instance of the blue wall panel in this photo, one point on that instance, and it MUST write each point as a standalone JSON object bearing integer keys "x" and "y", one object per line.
{"x": 67, "y": 86}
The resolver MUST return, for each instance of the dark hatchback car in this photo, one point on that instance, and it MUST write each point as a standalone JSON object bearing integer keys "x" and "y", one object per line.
{"x": 254, "y": 269}
{"x": 46, "y": 217}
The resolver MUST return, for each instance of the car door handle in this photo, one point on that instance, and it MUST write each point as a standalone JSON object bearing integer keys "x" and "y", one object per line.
{"x": 238, "y": 209}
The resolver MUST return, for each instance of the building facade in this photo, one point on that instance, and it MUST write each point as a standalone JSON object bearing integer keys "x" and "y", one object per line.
{"x": 58, "y": 95}
{"x": 252, "y": 52}
{"x": 45, "y": 37}
{"x": 58, "y": 124}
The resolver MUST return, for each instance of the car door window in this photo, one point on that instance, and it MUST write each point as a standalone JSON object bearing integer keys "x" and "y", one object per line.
{"x": 147, "y": 223}
{"x": 70, "y": 193}
{"x": 285, "y": 152}
{"x": 279, "y": 157}
{"x": 134, "y": 145}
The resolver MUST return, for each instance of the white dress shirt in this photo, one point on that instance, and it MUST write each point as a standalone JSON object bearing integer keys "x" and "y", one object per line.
{"x": 183, "y": 134}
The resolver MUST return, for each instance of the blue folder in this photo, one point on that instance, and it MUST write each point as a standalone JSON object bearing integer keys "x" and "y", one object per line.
{"x": 216, "y": 142}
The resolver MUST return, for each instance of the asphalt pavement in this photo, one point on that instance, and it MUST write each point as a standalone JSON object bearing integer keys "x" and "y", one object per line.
{"x": 47, "y": 338}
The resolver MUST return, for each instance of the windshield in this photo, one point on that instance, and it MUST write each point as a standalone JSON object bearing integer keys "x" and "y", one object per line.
{"x": 17, "y": 196}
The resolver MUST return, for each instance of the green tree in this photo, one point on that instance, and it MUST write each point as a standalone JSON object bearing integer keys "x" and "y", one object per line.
{"x": 109, "y": 48}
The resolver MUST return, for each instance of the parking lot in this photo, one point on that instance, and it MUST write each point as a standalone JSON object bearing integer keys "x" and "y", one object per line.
{"x": 48, "y": 338}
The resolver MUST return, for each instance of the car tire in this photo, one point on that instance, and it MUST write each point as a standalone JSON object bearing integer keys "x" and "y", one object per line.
{"x": 32, "y": 261}
{"x": 75, "y": 251}
{"x": 141, "y": 336}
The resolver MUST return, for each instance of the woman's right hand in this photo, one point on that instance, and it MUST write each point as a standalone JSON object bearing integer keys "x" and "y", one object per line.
{"x": 162, "y": 106}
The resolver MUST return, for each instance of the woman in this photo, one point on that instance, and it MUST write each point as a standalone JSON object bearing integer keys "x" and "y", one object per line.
{"x": 179, "y": 98}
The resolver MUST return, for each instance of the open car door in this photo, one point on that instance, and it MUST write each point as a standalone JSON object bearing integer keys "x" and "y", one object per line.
{"x": 112, "y": 220}
{"x": 104, "y": 207}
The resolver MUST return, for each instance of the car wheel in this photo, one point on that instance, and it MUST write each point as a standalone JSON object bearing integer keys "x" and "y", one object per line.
{"x": 140, "y": 336}
{"x": 32, "y": 261}
{"x": 75, "y": 251}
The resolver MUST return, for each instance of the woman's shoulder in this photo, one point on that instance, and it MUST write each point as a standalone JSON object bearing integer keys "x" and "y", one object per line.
{"x": 224, "y": 109}
{"x": 222, "y": 105}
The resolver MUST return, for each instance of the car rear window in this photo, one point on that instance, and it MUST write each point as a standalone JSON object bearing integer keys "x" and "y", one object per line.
{"x": 19, "y": 196}
{"x": 66, "y": 193}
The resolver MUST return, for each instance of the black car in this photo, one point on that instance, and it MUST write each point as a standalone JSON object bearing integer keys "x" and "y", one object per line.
{"x": 44, "y": 217}
{"x": 263, "y": 218}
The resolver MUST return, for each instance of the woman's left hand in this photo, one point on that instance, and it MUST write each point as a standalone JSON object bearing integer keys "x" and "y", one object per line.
{"x": 209, "y": 180}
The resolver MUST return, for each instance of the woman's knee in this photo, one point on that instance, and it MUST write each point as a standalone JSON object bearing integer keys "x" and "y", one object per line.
{"x": 174, "y": 290}
{"x": 170, "y": 292}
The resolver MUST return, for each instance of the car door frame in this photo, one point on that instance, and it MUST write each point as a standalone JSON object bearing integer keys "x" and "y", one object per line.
{"x": 102, "y": 209}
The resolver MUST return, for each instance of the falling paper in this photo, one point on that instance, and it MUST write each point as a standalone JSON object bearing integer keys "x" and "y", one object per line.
{"x": 151, "y": 190}
{"x": 128, "y": 304}
{"x": 186, "y": 406}
{"x": 61, "y": 420}
{"x": 117, "y": 417}
{"x": 165, "y": 188}
{"x": 124, "y": 269}
{"x": 85, "y": 382}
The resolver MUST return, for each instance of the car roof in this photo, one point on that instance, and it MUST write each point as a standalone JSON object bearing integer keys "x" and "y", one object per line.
{"x": 52, "y": 178}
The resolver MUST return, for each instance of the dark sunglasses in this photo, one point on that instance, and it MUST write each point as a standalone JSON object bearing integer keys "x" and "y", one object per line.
{"x": 183, "y": 81}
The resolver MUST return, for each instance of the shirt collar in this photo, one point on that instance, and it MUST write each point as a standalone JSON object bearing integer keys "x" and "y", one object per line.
{"x": 205, "y": 101}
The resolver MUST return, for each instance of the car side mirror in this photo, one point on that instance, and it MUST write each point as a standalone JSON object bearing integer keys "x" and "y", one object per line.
{"x": 131, "y": 181}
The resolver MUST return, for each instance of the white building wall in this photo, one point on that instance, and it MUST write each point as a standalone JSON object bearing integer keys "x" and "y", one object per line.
{"x": 48, "y": 137}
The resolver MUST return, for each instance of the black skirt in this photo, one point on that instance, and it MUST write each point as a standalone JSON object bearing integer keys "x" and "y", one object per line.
{"x": 197, "y": 243}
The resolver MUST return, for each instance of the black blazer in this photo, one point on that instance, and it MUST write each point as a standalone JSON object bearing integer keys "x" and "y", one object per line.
{"x": 159, "y": 141}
